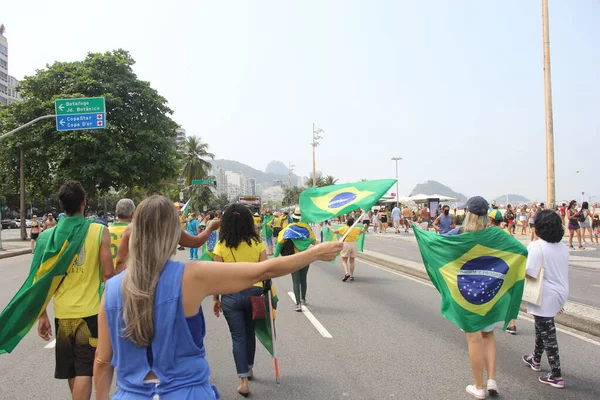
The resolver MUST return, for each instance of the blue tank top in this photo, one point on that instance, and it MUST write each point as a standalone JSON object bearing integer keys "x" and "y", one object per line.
{"x": 445, "y": 222}
{"x": 178, "y": 355}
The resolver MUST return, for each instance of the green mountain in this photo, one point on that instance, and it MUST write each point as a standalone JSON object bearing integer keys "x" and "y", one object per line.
{"x": 263, "y": 178}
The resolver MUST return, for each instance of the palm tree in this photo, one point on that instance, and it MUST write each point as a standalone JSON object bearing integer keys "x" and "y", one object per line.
{"x": 320, "y": 182}
{"x": 292, "y": 195}
{"x": 193, "y": 155}
{"x": 329, "y": 180}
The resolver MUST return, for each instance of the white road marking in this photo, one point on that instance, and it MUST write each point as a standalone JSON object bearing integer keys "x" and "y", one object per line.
{"x": 313, "y": 320}
{"x": 594, "y": 285}
{"x": 51, "y": 344}
{"x": 522, "y": 315}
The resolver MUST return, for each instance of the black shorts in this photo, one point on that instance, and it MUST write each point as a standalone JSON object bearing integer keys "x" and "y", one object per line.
{"x": 76, "y": 340}
{"x": 366, "y": 221}
{"x": 276, "y": 232}
{"x": 34, "y": 235}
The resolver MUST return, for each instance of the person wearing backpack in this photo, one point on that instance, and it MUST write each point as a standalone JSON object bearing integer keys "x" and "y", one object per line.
{"x": 573, "y": 216}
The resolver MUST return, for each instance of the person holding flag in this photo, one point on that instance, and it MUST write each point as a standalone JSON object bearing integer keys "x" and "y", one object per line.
{"x": 350, "y": 234}
{"x": 480, "y": 274}
{"x": 70, "y": 264}
{"x": 151, "y": 327}
{"x": 295, "y": 238}
{"x": 267, "y": 231}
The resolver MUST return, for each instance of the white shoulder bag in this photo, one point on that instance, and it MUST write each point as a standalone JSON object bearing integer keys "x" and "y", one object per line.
{"x": 532, "y": 293}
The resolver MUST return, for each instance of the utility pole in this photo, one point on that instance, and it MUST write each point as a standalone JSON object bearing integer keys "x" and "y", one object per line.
{"x": 397, "y": 184}
{"x": 290, "y": 170}
{"x": 22, "y": 197}
{"x": 550, "y": 181}
{"x": 315, "y": 143}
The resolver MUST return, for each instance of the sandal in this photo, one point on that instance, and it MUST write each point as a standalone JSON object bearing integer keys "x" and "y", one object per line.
{"x": 351, "y": 278}
{"x": 346, "y": 277}
{"x": 298, "y": 308}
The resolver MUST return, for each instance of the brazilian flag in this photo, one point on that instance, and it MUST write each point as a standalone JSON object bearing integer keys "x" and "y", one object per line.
{"x": 55, "y": 252}
{"x": 299, "y": 233}
{"x": 319, "y": 204}
{"x": 209, "y": 247}
{"x": 329, "y": 236}
{"x": 262, "y": 327}
{"x": 480, "y": 275}
{"x": 267, "y": 230}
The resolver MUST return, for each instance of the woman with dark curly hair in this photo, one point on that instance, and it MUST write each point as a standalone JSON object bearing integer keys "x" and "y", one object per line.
{"x": 573, "y": 216}
{"x": 551, "y": 254}
{"x": 239, "y": 242}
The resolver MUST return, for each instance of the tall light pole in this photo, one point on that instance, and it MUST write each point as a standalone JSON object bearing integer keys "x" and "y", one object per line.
{"x": 550, "y": 181}
{"x": 397, "y": 185}
{"x": 315, "y": 142}
{"x": 290, "y": 170}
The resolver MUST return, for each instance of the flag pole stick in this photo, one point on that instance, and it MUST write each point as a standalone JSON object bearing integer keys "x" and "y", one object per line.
{"x": 275, "y": 359}
{"x": 362, "y": 216}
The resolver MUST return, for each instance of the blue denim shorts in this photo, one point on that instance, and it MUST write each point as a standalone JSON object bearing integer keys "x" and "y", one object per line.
{"x": 269, "y": 241}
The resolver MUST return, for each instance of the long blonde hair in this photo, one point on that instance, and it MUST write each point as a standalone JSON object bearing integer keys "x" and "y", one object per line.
{"x": 154, "y": 239}
{"x": 474, "y": 222}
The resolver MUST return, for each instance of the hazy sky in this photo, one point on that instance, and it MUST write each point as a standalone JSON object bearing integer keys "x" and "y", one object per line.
{"x": 453, "y": 87}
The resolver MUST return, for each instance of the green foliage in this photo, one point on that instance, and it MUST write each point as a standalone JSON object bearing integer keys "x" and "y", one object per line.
{"x": 136, "y": 149}
{"x": 192, "y": 155}
{"x": 218, "y": 203}
{"x": 326, "y": 181}
{"x": 291, "y": 195}
{"x": 329, "y": 180}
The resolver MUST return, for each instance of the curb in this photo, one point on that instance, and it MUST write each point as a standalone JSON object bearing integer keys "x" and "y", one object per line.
{"x": 8, "y": 254}
{"x": 573, "y": 321}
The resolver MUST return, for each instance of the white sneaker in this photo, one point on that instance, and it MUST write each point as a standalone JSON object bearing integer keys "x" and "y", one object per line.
{"x": 492, "y": 387}
{"x": 477, "y": 393}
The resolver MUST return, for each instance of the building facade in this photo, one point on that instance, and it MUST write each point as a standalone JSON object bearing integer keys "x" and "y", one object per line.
{"x": 3, "y": 67}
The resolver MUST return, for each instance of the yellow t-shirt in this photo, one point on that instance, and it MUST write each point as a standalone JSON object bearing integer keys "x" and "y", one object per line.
{"x": 116, "y": 234}
{"x": 243, "y": 253}
{"x": 79, "y": 294}
{"x": 256, "y": 220}
{"x": 277, "y": 222}
{"x": 353, "y": 235}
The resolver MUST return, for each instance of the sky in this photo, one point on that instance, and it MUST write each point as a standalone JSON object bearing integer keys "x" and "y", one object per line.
{"x": 455, "y": 88}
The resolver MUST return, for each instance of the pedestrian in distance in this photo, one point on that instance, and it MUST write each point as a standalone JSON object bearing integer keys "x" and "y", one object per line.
{"x": 407, "y": 216}
{"x": 531, "y": 219}
{"x": 444, "y": 223}
{"x": 193, "y": 229}
{"x": 36, "y": 228}
{"x": 482, "y": 344}
{"x": 552, "y": 255}
{"x": 50, "y": 222}
{"x": 523, "y": 219}
{"x": 239, "y": 242}
{"x": 375, "y": 218}
{"x": 396, "y": 218}
{"x": 151, "y": 325}
{"x": 584, "y": 222}
{"x": 77, "y": 300}
{"x": 383, "y": 220}
{"x": 350, "y": 249}
{"x": 100, "y": 219}
{"x": 596, "y": 227}
{"x": 573, "y": 216}
{"x": 509, "y": 218}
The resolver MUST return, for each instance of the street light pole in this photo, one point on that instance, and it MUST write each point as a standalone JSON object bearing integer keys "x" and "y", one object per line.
{"x": 397, "y": 184}
{"x": 315, "y": 143}
{"x": 550, "y": 181}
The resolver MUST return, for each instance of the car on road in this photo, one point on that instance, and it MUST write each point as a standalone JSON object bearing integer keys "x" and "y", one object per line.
{"x": 9, "y": 224}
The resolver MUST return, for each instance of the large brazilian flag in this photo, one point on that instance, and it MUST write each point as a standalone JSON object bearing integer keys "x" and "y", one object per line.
{"x": 480, "y": 275}
{"x": 299, "y": 233}
{"x": 208, "y": 248}
{"x": 267, "y": 230}
{"x": 329, "y": 236}
{"x": 319, "y": 204}
{"x": 55, "y": 251}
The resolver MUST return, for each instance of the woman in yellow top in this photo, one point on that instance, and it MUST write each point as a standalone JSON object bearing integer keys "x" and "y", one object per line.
{"x": 239, "y": 242}
{"x": 349, "y": 251}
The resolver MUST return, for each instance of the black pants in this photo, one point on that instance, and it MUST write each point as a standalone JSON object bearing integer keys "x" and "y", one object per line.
{"x": 545, "y": 340}
{"x": 299, "y": 283}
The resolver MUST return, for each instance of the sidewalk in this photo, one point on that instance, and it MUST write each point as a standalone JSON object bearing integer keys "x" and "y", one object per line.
{"x": 578, "y": 316}
{"x": 15, "y": 247}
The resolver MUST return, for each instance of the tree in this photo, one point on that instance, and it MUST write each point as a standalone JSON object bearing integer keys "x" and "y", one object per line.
{"x": 329, "y": 180}
{"x": 136, "y": 149}
{"x": 193, "y": 153}
{"x": 292, "y": 195}
{"x": 219, "y": 203}
{"x": 320, "y": 182}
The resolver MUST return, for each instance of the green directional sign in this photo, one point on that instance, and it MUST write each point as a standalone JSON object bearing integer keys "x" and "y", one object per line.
{"x": 80, "y": 106}
{"x": 202, "y": 182}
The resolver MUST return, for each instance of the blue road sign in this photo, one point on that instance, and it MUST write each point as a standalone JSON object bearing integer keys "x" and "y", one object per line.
{"x": 73, "y": 122}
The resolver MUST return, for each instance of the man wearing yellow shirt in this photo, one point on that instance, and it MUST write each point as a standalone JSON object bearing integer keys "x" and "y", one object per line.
{"x": 277, "y": 224}
{"x": 77, "y": 299}
{"x": 350, "y": 250}
{"x": 124, "y": 212}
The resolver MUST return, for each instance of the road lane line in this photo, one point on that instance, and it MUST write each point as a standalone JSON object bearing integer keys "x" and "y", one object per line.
{"x": 522, "y": 315}
{"x": 51, "y": 344}
{"x": 313, "y": 320}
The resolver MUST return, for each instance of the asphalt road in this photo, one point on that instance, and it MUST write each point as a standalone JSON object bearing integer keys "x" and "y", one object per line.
{"x": 388, "y": 342}
{"x": 584, "y": 283}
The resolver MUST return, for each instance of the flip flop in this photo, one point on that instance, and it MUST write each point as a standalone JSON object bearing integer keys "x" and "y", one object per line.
{"x": 346, "y": 277}
{"x": 351, "y": 278}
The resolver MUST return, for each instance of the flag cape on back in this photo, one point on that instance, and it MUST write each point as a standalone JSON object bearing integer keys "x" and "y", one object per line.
{"x": 480, "y": 275}
{"x": 267, "y": 230}
{"x": 299, "y": 233}
{"x": 55, "y": 251}
{"x": 262, "y": 327}
{"x": 319, "y": 204}
{"x": 209, "y": 247}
